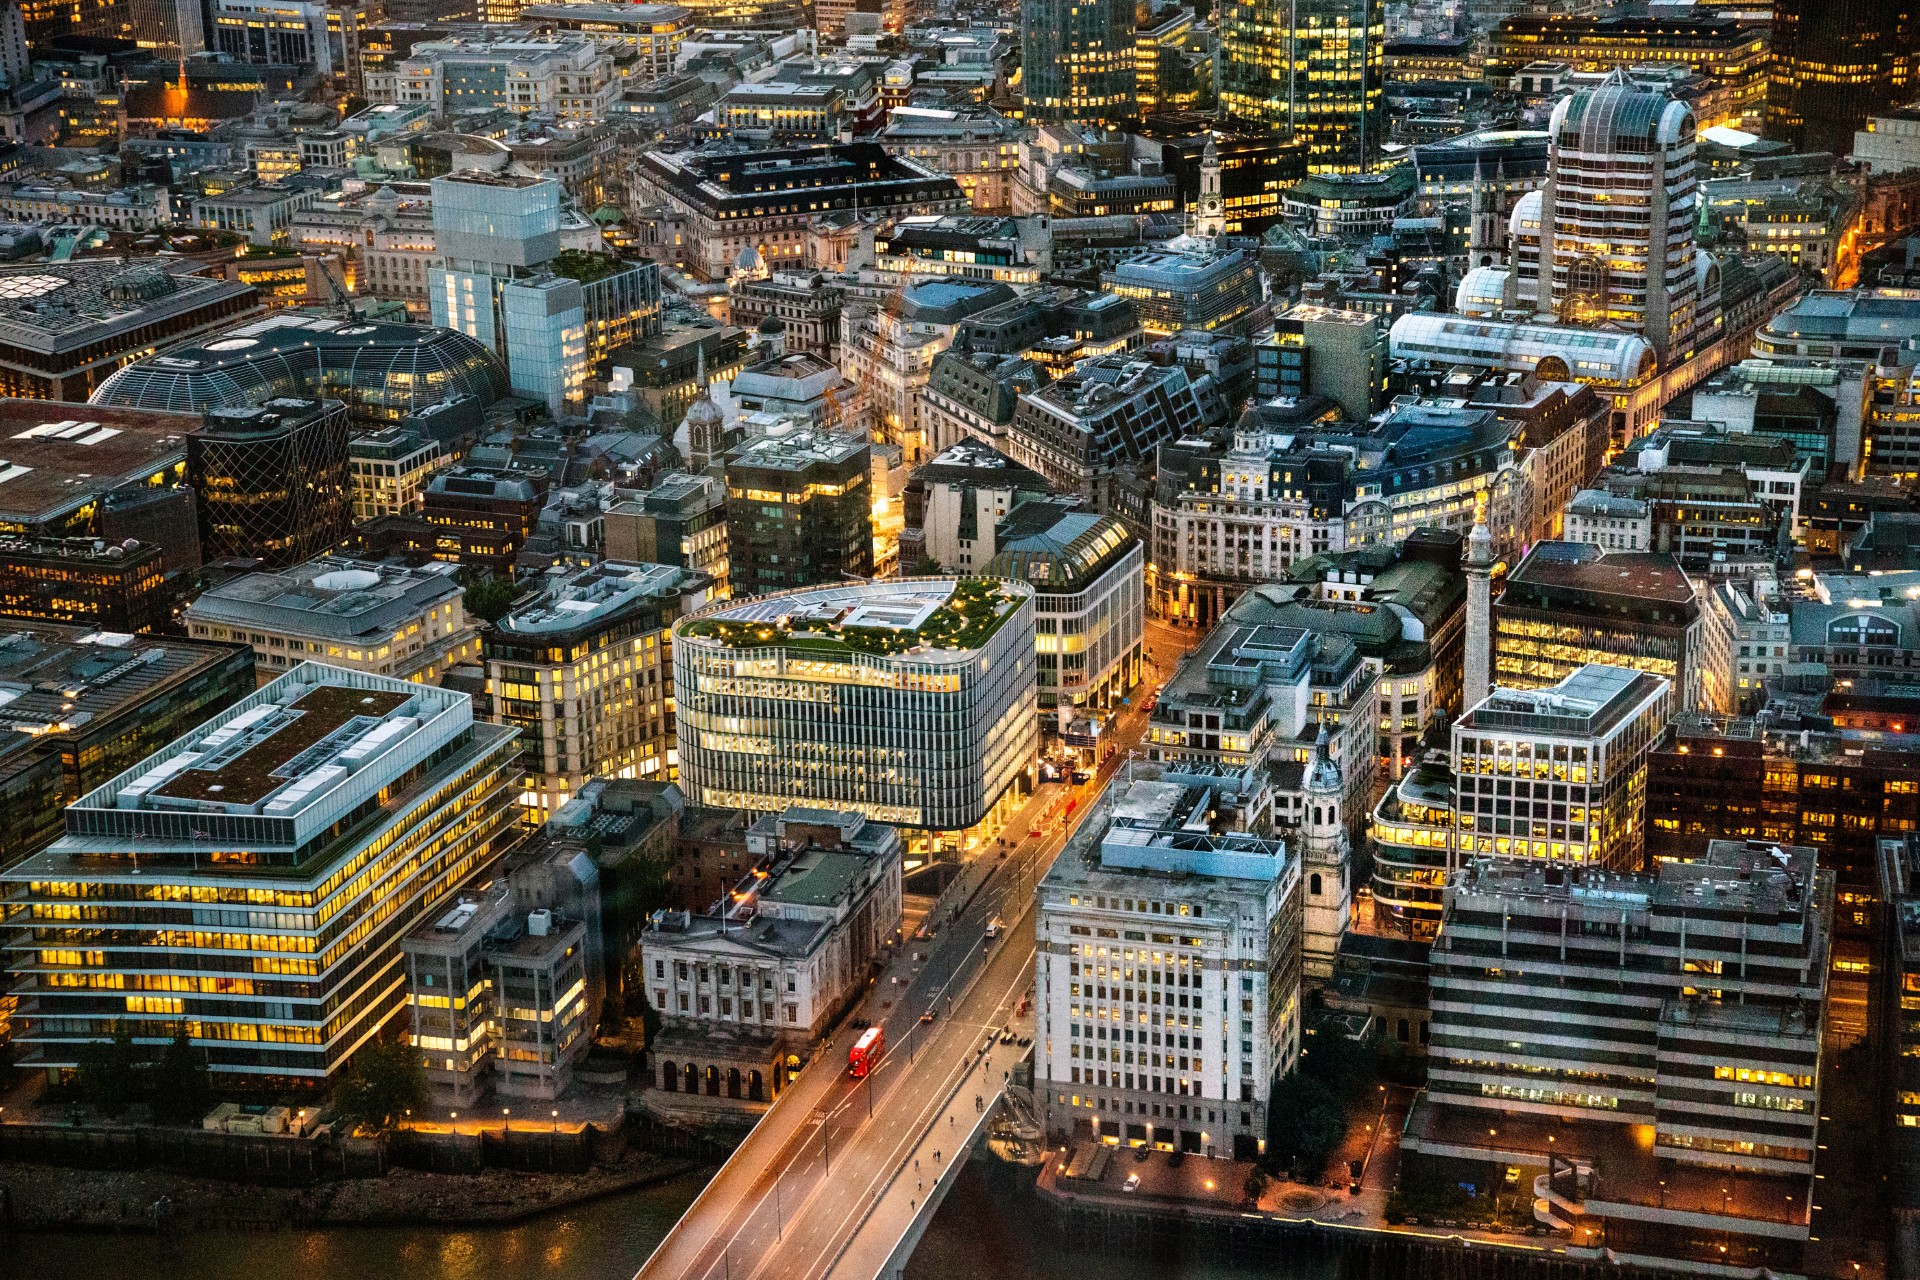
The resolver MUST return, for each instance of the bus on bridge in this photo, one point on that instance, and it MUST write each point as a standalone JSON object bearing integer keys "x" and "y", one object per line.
{"x": 866, "y": 1052}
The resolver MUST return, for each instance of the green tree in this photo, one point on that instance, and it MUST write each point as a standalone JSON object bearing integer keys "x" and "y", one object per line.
{"x": 384, "y": 1082}
{"x": 924, "y": 567}
{"x": 182, "y": 1085}
{"x": 1306, "y": 1124}
{"x": 109, "y": 1071}
{"x": 490, "y": 598}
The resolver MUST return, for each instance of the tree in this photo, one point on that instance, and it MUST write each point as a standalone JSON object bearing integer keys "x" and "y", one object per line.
{"x": 109, "y": 1071}
{"x": 384, "y": 1082}
{"x": 1307, "y": 1123}
{"x": 924, "y": 567}
{"x": 490, "y": 598}
{"x": 182, "y": 1086}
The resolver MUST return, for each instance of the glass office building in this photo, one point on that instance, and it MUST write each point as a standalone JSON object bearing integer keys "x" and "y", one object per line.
{"x": 1076, "y": 60}
{"x": 912, "y": 701}
{"x": 250, "y": 882}
{"x": 382, "y": 372}
{"x": 1313, "y": 69}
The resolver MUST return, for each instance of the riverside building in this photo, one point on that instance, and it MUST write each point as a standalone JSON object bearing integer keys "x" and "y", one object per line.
{"x": 250, "y": 882}
{"x": 1167, "y": 978}
{"x": 1669, "y": 1119}
{"x": 912, "y": 701}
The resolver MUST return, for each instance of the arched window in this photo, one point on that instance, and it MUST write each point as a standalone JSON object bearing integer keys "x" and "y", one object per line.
{"x": 1313, "y": 884}
{"x": 1861, "y": 631}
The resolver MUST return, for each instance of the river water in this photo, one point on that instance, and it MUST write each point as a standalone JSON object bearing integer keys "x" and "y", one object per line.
{"x": 988, "y": 1226}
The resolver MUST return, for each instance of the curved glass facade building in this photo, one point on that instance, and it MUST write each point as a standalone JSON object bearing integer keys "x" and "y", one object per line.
{"x": 1076, "y": 60}
{"x": 382, "y": 372}
{"x": 911, "y": 700}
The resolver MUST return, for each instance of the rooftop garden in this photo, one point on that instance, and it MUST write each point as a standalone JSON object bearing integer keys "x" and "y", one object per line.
{"x": 967, "y": 620}
{"x": 586, "y": 266}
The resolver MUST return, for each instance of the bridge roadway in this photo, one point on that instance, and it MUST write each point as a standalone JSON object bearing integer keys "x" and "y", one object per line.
{"x": 804, "y": 1180}
{"x": 834, "y": 1180}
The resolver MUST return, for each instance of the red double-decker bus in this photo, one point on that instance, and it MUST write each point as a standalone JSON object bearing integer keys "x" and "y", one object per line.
{"x": 866, "y": 1052}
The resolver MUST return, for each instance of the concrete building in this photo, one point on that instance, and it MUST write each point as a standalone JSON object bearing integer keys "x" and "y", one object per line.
{"x": 1111, "y": 412}
{"x": 1570, "y": 604}
{"x": 1324, "y": 351}
{"x": 584, "y": 671}
{"x": 964, "y": 493}
{"x": 888, "y": 352}
{"x": 979, "y": 149}
{"x": 681, "y": 521}
{"x": 86, "y": 704}
{"x": 1583, "y": 745}
{"x": 940, "y": 669}
{"x": 250, "y": 808}
{"x": 747, "y": 987}
{"x": 1167, "y": 982}
{"x": 1201, "y": 289}
{"x": 1700, "y": 1104}
{"x": 391, "y": 470}
{"x": 499, "y": 991}
{"x": 565, "y": 77}
{"x": 384, "y": 619}
{"x": 1890, "y": 143}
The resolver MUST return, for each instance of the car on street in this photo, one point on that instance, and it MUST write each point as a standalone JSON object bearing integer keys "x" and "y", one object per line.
{"x": 928, "y": 1016}
{"x": 1133, "y": 1182}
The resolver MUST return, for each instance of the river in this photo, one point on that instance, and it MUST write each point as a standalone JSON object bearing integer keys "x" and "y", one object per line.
{"x": 986, "y": 1227}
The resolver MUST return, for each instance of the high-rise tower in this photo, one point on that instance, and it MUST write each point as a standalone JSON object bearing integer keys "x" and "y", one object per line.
{"x": 1326, "y": 859}
{"x": 1836, "y": 62}
{"x": 1076, "y": 60}
{"x": 1312, "y": 69}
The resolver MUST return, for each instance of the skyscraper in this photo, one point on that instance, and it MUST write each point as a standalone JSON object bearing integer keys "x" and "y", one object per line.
{"x": 273, "y": 483}
{"x": 1834, "y": 63}
{"x": 498, "y": 233}
{"x": 1076, "y": 60}
{"x": 1314, "y": 69}
{"x": 1609, "y": 238}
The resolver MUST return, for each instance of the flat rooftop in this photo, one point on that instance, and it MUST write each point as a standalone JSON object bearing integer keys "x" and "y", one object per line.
{"x": 270, "y": 746}
{"x": 56, "y": 456}
{"x": 1581, "y": 566}
{"x": 331, "y": 596}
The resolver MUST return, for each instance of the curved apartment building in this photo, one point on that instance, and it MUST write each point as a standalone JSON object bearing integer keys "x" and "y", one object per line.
{"x": 912, "y": 701}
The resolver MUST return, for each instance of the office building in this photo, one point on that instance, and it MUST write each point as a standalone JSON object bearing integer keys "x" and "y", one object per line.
{"x": 479, "y": 518}
{"x": 1570, "y": 604}
{"x": 249, "y": 809}
{"x": 85, "y": 704}
{"x": 498, "y": 991}
{"x": 564, "y": 76}
{"x": 1889, "y": 142}
{"x": 1729, "y": 53}
{"x": 1077, "y": 61}
{"x": 1167, "y": 983}
{"x": 1087, "y": 573}
{"x": 1403, "y": 606}
{"x": 888, "y": 351}
{"x": 940, "y": 670}
{"x": 1582, "y": 744}
{"x": 1833, "y": 66}
{"x": 1837, "y": 776}
{"x": 977, "y": 148}
{"x": 1111, "y": 412}
{"x": 1254, "y": 695}
{"x": 1324, "y": 351}
{"x": 958, "y": 500}
{"x": 273, "y": 482}
{"x": 391, "y": 469}
{"x": 584, "y": 670}
{"x": 729, "y": 202}
{"x": 681, "y": 521}
{"x": 496, "y": 232}
{"x": 799, "y": 511}
{"x": 1313, "y": 71}
{"x": 1201, "y": 289}
{"x": 120, "y": 586}
{"x": 100, "y": 475}
{"x": 1009, "y": 250}
{"x": 385, "y": 619}
{"x": 747, "y": 986}
{"x": 1671, "y": 1124}
{"x": 1608, "y": 145}
{"x": 644, "y": 39}
{"x": 381, "y": 372}
{"x": 69, "y": 325}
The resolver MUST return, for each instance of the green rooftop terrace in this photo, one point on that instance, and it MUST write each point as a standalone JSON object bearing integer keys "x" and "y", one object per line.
{"x": 965, "y": 621}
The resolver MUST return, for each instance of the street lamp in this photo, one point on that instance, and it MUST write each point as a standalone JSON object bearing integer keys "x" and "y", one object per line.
{"x": 556, "y": 1120}
{"x": 505, "y": 1122}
